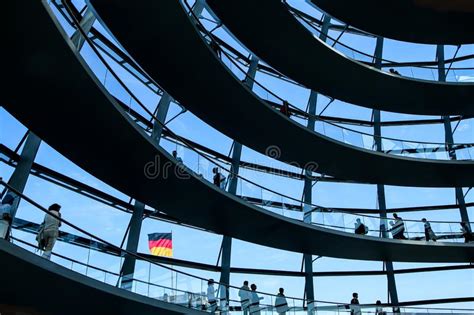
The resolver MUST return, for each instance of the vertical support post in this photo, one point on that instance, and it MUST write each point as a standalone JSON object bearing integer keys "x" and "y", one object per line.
{"x": 86, "y": 24}
{"x": 392, "y": 285}
{"x": 252, "y": 71}
{"x": 308, "y": 185}
{"x": 449, "y": 137}
{"x": 22, "y": 171}
{"x": 308, "y": 258}
{"x": 235, "y": 167}
{"x": 227, "y": 240}
{"x": 128, "y": 267}
{"x": 162, "y": 112}
{"x": 307, "y": 210}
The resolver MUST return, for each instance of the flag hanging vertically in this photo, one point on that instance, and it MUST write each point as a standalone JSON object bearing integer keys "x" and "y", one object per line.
{"x": 161, "y": 244}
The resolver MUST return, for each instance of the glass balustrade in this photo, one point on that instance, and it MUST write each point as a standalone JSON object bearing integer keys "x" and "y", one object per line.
{"x": 201, "y": 165}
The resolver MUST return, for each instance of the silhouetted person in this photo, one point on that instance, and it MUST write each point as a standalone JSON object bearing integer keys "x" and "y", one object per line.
{"x": 466, "y": 232}
{"x": 50, "y": 230}
{"x": 6, "y": 215}
{"x": 378, "y": 309}
{"x": 219, "y": 179}
{"x": 429, "y": 234}
{"x": 215, "y": 47}
{"x": 254, "y": 301}
{"x": 245, "y": 297}
{"x": 355, "y": 308}
{"x": 360, "y": 228}
{"x": 281, "y": 304}
{"x": 177, "y": 158}
{"x": 398, "y": 228}
{"x": 285, "y": 109}
{"x": 211, "y": 296}
{"x": 393, "y": 71}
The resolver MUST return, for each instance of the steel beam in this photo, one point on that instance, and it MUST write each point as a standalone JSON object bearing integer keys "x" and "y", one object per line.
{"x": 22, "y": 171}
{"x": 128, "y": 267}
{"x": 86, "y": 25}
{"x": 161, "y": 113}
{"x": 233, "y": 181}
{"x": 449, "y": 136}
{"x": 391, "y": 282}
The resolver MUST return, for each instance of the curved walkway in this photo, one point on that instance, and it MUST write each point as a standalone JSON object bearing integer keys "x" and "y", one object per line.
{"x": 100, "y": 144}
{"x": 33, "y": 280}
{"x": 419, "y": 21}
{"x": 273, "y": 34}
{"x": 190, "y": 71}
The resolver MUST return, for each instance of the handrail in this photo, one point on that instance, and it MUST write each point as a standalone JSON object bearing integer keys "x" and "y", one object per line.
{"x": 324, "y": 119}
{"x": 125, "y": 251}
{"x": 81, "y": 241}
{"x": 297, "y": 13}
{"x": 96, "y": 34}
{"x": 140, "y": 257}
{"x": 124, "y": 206}
{"x": 295, "y": 108}
{"x": 186, "y": 144}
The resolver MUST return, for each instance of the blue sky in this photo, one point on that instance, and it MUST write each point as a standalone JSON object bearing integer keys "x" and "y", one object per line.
{"x": 194, "y": 245}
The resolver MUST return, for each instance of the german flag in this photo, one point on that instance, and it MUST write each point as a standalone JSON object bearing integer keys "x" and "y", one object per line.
{"x": 161, "y": 244}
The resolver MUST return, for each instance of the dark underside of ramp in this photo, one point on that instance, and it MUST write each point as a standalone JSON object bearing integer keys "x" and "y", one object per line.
{"x": 419, "y": 21}
{"x": 30, "y": 282}
{"x": 67, "y": 107}
{"x": 163, "y": 40}
{"x": 275, "y": 35}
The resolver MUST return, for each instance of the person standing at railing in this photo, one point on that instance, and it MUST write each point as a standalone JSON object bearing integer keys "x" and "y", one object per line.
{"x": 49, "y": 230}
{"x": 285, "y": 109}
{"x": 219, "y": 179}
{"x": 281, "y": 304}
{"x": 466, "y": 232}
{"x": 398, "y": 228}
{"x": 177, "y": 158}
{"x": 393, "y": 71}
{"x": 360, "y": 228}
{"x": 255, "y": 301}
{"x": 6, "y": 215}
{"x": 378, "y": 308}
{"x": 355, "y": 308}
{"x": 211, "y": 296}
{"x": 429, "y": 234}
{"x": 245, "y": 296}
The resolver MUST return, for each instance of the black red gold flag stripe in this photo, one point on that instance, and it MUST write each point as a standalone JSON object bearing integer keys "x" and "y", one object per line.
{"x": 161, "y": 244}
